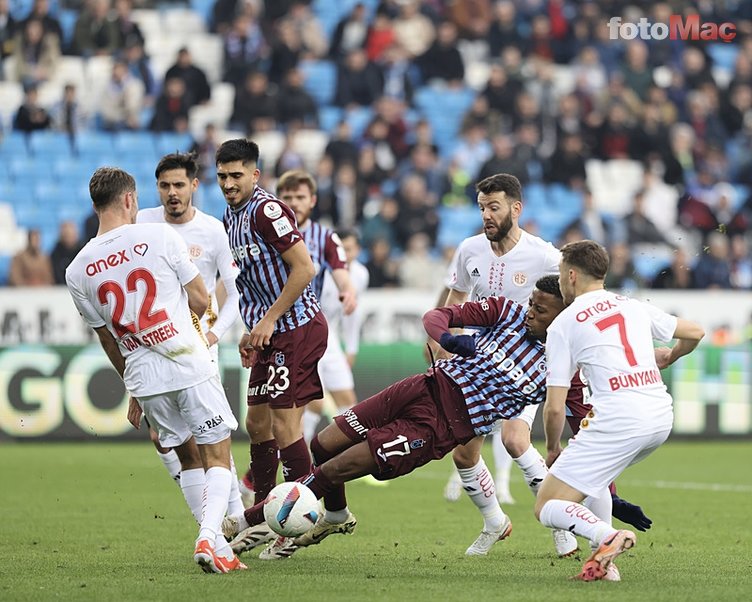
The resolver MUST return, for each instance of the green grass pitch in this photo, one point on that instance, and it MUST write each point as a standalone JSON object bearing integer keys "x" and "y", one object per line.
{"x": 94, "y": 521}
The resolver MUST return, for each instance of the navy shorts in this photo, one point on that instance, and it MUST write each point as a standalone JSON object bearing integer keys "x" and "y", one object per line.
{"x": 285, "y": 374}
{"x": 406, "y": 426}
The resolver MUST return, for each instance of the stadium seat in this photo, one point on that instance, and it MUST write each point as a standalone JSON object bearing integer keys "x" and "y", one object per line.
{"x": 222, "y": 100}
{"x": 67, "y": 18}
{"x": 14, "y": 144}
{"x": 4, "y": 268}
{"x": 13, "y": 194}
{"x": 182, "y": 22}
{"x": 70, "y": 70}
{"x": 270, "y": 146}
{"x": 207, "y": 51}
{"x": 11, "y": 97}
{"x": 358, "y": 120}
{"x": 329, "y": 117}
{"x": 169, "y": 142}
{"x": 320, "y": 80}
{"x": 134, "y": 143}
{"x": 47, "y": 144}
{"x": 456, "y": 224}
{"x": 203, "y": 8}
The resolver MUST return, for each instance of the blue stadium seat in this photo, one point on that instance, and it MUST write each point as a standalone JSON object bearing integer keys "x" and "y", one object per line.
{"x": 20, "y": 9}
{"x": 566, "y": 202}
{"x": 444, "y": 109}
{"x": 13, "y": 193}
{"x": 47, "y": 144}
{"x": 203, "y": 8}
{"x": 456, "y": 224}
{"x": 136, "y": 144}
{"x": 169, "y": 142}
{"x": 329, "y": 117}
{"x": 94, "y": 143}
{"x": 4, "y": 268}
{"x": 67, "y": 18}
{"x": 14, "y": 144}
{"x": 320, "y": 80}
{"x": 23, "y": 167}
{"x": 358, "y": 119}
{"x": 723, "y": 55}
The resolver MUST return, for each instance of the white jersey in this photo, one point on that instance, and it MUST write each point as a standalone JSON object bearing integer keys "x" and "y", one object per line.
{"x": 131, "y": 279}
{"x": 350, "y": 325}
{"x": 478, "y": 271}
{"x": 610, "y": 337}
{"x": 209, "y": 249}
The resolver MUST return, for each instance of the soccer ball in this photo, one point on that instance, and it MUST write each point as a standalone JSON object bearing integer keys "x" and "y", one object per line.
{"x": 291, "y": 509}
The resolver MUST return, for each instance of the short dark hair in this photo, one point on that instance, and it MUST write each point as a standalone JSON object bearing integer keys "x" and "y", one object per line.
{"x": 186, "y": 161}
{"x": 588, "y": 256}
{"x": 107, "y": 184}
{"x": 238, "y": 149}
{"x": 294, "y": 178}
{"x": 348, "y": 233}
{"x": 549, "y": 284}
{"x": 501, "y": 182}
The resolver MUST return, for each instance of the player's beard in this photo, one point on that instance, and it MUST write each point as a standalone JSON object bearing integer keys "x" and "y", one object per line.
{"x": 501, "y": 230}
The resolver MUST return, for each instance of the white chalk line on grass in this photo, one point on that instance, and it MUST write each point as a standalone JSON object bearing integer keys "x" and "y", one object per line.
{"x": 679, "y": 485}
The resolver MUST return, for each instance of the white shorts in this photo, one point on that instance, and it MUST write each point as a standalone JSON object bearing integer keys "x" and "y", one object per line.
{"x": 334, "y": 369}
{"x": 527, "y": 416}
{"x": 593, "y": 459}
{"x": 201, "y": 411}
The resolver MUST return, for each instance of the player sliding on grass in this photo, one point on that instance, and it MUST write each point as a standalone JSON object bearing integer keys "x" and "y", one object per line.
{"x": 610, "y": 337}
{"x": 493, "y": 375}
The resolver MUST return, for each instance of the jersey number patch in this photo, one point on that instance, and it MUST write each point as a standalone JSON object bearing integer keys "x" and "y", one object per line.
{"x": 146, "y": 317}
{"x": 618, "y": 320}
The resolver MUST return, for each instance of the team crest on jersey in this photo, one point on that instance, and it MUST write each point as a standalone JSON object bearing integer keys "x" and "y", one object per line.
{"x": 417, "y": 443}
{"x": 519, "y": 279}
{"x": 195, "y": 251}
{"x": 272, "y": 210}
{"x": 541, "y": 367}
{"x": 141, "y": 249}
{"x": 279, "y": 358}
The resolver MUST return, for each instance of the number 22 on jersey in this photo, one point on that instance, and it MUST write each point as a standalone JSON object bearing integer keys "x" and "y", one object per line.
{"x": 147, "y": 317}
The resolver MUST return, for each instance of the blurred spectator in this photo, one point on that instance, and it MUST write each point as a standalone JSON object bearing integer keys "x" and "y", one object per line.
{"x": 245, "y": 48}
{"x": 67, "y": 247}
{"x": 741, "y": 263}
{"x": 417, "y": 211}
{"x": 206, "y": 149}
{"x": 341, "y": 147}
{"x": 638, "y": 75}
{"x": 472, "y": 150}
{"x": 8, "y": 26}
{"x": 424, "y": 162}
{"x": 307, "y": 28}
{"x": 638, "y": 226}
{"x": 442, "y": 61}
{"x": 737, "y": 108}
{"x": 379, "y": 219}
{"x": 31, "y": 267}
{"x": 255, "y": 105}
{"x": 36, "y": 53}
{"x": 472, "y": 17}
{"x": 680, "y": 161}
{"x": 69, "y": 115}
{"x": 122, "y": 99}
{"x": 95, "y": 34}
{"x": 91, "y": 227}
{"x": 621, "y": 270}
{"x": 417, "y": 268}
{"x": 382, "y": 269}
{"x": 504, "y": 160}
{"x": 171, "y": 110}
{"x": 392, "y": 111}
{"x": 286, "y": 52}
{"x": 413, "y": 30}
{"x": 649, "y": 139}
{"x": 197, "y": 89}
{"x": 40, "y": 11}
{"x": 614, "y": 136}
{"x": 139, "y": 66}
{"x": 343, "y": 204}
{"x": 567, "y": 165}
{"x": 706, "y": 124}
{"x": 290, "y": 158}
{"x": 379, "y": 39}
{"x": 676, "y": 275}
{"x": 370, "y": 173}
{"x": 505, "y": 30}
{"x": 695, "y": 68}
{"x": 589, "y": 72}
{"x": 501, "y": 92}
{"x": 713, "y": 269}
{"x": 541, "y": 42}
{"x": 31, "y": 115}
{"x": 358, "y": 81}
{"x": 569, "y": 118}
{"x": 295, "y": 106}
{"x": 223, "y": 15}
{"x": 351, "y": 32}
{"x": 128, "y": 30}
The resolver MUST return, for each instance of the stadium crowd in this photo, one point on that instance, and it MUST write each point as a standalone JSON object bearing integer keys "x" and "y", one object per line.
{"x": 399, "y": 107}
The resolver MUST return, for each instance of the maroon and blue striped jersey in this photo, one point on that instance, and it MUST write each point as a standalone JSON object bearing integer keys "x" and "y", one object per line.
{"x": 326, "y": 253}
{"x": 259, "y": 232}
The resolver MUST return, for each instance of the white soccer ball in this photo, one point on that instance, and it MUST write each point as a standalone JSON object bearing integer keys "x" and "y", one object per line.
{"x": 291, "y": 509}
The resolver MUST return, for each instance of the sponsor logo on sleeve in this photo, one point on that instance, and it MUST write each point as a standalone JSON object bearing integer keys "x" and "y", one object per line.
{"x": 282, "y": 226}
{"x": 272, "y": 210}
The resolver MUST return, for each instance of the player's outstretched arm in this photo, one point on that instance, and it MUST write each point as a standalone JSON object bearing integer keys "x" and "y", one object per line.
{"x": 554, "y": 415}
{"x": 688, "y": 335}
{"x": 348, "y": 296}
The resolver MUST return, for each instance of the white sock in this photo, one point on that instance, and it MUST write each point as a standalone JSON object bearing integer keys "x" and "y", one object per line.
{"x": 502, "y": 462}
{"x": 216, "y": 494}
{"x": 172, "y": 464}
{"x": 479, "y": 485}
{"x": 336, "y": 516}
{"x": 192, "y": 483}
{"x": 310, "y": 422}
{"x": 576, "y": 518}
{"x": 533, "y": 468}
{"x": 222, "y": 548}
{"x": 234, "y": 504}
{"x": 601, "y": 506}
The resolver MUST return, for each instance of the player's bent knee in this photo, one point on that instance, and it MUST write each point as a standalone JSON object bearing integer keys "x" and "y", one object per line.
{"x": 465, "y": 457}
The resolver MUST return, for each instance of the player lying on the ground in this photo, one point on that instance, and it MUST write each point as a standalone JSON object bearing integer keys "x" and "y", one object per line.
{"x": 421, "y": 418}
